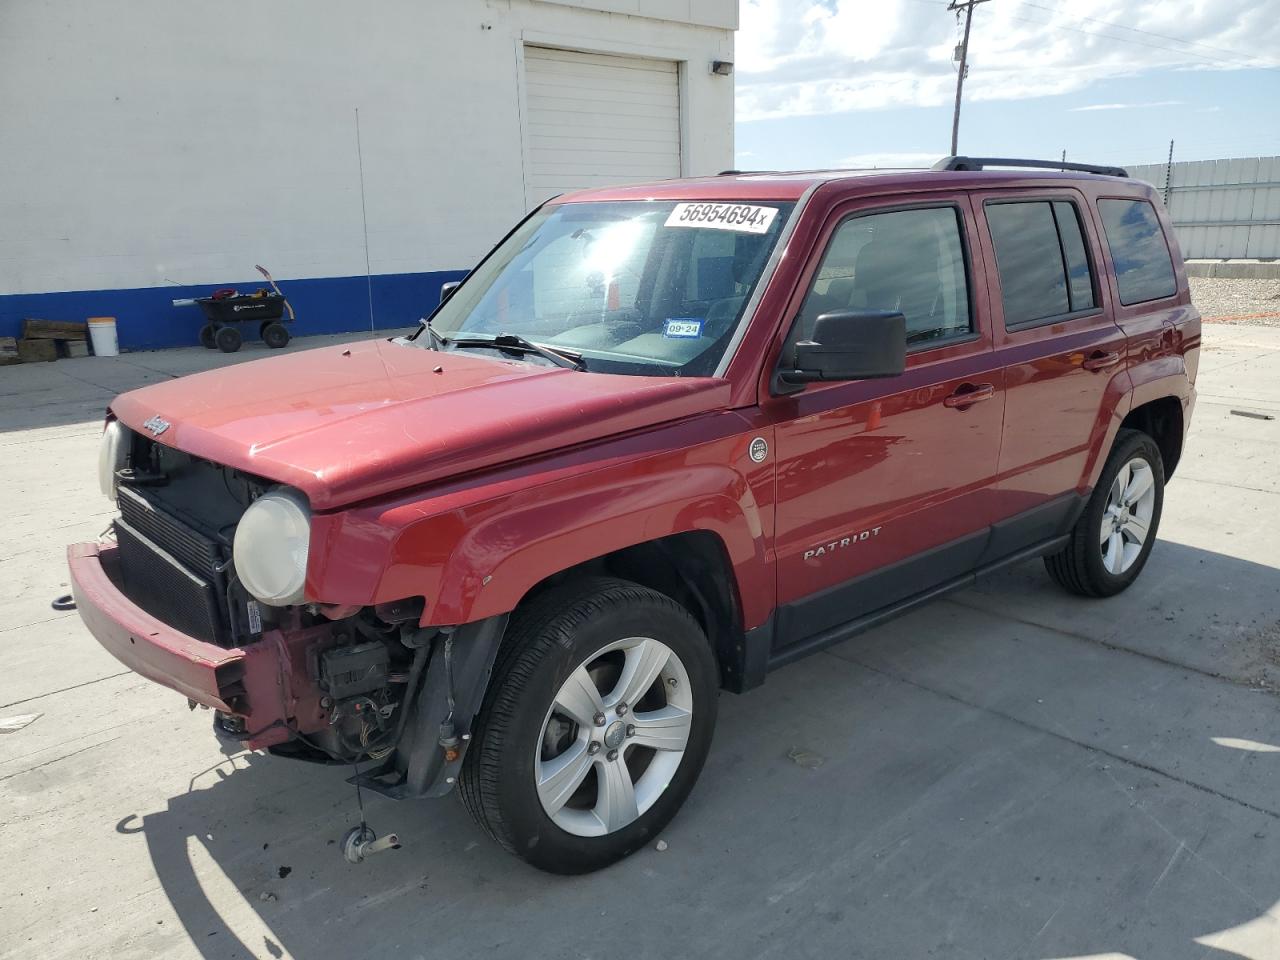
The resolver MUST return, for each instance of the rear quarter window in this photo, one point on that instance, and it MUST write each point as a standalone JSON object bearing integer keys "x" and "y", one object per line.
{"x": 1143, "y": 265}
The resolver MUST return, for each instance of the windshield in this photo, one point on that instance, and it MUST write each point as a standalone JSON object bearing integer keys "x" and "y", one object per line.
{"x": 654, "y": 288}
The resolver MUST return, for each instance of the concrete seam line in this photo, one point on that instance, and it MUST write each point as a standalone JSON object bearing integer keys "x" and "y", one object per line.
{"x": 1117, "y": 648}
{"x": 74, "y": 686}
{"x": 1128, "y": 761}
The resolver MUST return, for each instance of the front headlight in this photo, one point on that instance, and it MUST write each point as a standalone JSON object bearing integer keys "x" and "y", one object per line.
{"x": 270, "y": 547}
{"x": 113, "y": 452}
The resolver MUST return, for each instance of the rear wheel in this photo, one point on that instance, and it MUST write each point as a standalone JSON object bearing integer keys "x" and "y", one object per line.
{"x": 1112, "y": 540}
{"x": 595, "y": 726}
{"x": 275, "y": 335}
{"x": 207, "y": 337}
{"x": 228, "y": 339}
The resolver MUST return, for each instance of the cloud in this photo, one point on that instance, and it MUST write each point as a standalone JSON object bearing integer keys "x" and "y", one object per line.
{"x": 812, "y": 57}
{"x": 1126, "y": 106}
{"x": 861, "y": 161}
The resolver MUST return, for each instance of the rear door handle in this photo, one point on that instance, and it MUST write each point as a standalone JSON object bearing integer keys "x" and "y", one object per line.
{"x": 1100, "y": 360}
{"x": 969, "y": 393}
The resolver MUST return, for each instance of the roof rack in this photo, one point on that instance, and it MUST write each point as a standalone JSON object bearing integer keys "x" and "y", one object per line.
{"x": 981, "y": 163}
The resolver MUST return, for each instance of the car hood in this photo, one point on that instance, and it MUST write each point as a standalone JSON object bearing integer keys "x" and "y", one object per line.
{"x": 346, "y": 423}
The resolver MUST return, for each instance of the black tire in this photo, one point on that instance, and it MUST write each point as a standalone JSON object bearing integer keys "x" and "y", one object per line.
{"x": 275, "y": 335}
{"x": 1078, "y": 567}
{"x": 546, "y": 641}
{"x": 228, "y": 339}
{"x": 207, "y": 337}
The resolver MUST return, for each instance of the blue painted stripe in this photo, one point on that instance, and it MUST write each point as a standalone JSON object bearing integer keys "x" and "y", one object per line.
{"x": 146, "y": 317}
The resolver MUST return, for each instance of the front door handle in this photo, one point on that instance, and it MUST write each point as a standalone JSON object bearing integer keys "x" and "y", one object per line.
{"x": 1100, "y": 360}
{"x": 969, "y": 393}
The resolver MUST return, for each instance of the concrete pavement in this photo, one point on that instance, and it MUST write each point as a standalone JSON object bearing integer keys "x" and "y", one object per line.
{"x": 1008, "y": 773}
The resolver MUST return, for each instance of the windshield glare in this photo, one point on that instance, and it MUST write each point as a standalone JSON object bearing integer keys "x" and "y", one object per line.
{"x": 643, "y": 287}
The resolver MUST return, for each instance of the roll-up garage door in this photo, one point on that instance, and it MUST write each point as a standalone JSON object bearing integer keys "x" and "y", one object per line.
{"x": 598, "y": 119}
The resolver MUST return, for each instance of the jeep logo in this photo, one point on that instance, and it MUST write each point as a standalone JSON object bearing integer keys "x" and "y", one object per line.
{"x": 157, "y": 425}
{"x": 834, "y": 545}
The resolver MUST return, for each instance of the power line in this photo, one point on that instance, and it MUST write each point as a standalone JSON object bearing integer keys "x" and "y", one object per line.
{"x": 1149, "y": 33}
{"x": 1142, "y": 43}
{"x": 1257, "y": 60}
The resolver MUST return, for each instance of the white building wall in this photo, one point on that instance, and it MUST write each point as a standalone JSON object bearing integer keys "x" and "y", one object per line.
{"x": 170, "y": 141}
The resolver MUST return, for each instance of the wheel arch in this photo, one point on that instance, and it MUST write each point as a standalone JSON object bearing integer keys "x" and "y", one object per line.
{"x": 694, "y": 569}
{"x": 1162, "y": 420}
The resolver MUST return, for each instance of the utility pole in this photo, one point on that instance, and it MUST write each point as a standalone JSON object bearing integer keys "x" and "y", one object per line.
{"x": 967, "y": 6}
{"x": 1168, "y": 177}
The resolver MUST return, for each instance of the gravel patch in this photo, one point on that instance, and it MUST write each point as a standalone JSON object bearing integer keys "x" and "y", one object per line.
{"x": 1248, "y": 302}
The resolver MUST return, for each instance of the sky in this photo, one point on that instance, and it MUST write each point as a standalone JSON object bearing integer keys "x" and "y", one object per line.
{"x": 857, "y": 83}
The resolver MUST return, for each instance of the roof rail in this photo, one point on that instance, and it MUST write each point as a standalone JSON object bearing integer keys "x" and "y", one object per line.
{"x": 981, "y": 163}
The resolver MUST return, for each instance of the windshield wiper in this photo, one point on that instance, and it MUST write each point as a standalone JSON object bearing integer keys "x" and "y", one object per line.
{"x": 515, "y": 342}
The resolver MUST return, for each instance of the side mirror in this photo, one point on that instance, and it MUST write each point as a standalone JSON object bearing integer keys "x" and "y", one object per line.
{"x": 446, "y": 289}
{"x": 850, "y": 345}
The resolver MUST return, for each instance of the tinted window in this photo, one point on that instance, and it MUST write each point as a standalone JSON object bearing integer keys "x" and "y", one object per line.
{"x": 1079, "y": 282}
{"x": 1144, "y": 269}
{"x": 1033, "y": 283}
{"x": 907, "y": 260}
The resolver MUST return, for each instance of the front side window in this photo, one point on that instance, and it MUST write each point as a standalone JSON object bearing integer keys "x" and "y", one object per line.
{"x": 654, "y": 288}
{"x": 903, "y": 260}
{"x": 1144, "y": 269}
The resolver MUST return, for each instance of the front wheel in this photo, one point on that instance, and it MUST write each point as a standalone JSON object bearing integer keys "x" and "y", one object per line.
{"x": 595, "y": 727}
{"x": 1111, "y": 541}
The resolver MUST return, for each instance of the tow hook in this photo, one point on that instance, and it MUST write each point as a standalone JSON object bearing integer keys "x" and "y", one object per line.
{"x": 361, "y": 842}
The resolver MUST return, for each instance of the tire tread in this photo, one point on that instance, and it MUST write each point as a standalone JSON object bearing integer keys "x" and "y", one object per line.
{"x": 548, "y": 620}
{"x": 1069, "y": 566}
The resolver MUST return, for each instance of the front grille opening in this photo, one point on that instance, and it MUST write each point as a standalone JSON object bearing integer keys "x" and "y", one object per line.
{"x": 175, "y": 531}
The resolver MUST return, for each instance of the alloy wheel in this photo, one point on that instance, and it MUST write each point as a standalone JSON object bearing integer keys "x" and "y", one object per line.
{"x": 614, "y": 737}
{"x": 1126, "y": 520}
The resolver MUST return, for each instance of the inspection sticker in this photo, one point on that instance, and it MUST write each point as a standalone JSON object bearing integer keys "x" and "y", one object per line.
{"x": 683, "y": 328}
{"x": 742, "y": 217}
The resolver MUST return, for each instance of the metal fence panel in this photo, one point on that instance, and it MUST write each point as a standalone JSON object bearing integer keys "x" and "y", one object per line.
{"x": 1221, "y": 209}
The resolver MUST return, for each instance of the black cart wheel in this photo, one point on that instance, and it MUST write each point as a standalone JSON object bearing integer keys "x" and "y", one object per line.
{"x": 208, "y": 337}
{"x": 229, "y": 339}
{"x": 275, "y": 335}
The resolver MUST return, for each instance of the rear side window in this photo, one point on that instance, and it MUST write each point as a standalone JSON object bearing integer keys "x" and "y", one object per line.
{"x": 1041, "y": 258}
{"x": 1144, "y": 268}
{"x": 1079, "y": 280}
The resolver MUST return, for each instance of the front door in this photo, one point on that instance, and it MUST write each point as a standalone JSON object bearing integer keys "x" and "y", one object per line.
{"x": 884, "y": 486}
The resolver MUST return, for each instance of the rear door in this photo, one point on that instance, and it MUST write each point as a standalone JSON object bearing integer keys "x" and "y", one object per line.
{"x": 1061, "y": 350}
{"x": 883, "y": 485}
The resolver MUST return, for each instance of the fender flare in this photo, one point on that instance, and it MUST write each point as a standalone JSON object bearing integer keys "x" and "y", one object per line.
{"x": 498, "y": 560}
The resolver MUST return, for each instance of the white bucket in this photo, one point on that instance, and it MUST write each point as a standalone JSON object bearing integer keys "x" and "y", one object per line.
{"x": 102, "y": 331}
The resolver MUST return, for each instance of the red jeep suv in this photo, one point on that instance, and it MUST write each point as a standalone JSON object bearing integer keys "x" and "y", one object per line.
{"x": 663, "y": 440}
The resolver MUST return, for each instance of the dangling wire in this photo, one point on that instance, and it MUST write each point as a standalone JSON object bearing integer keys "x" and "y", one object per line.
{"x": 355, "y": 765}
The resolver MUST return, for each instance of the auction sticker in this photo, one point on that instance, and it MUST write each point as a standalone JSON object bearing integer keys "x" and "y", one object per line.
{"x": 742, "y": 217}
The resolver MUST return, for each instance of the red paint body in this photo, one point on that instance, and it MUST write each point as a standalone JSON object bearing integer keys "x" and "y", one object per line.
{"x": 471, "y": 485}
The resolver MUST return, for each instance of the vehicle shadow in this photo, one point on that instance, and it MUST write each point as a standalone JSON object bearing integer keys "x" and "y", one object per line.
{"x": 914, "y": 820}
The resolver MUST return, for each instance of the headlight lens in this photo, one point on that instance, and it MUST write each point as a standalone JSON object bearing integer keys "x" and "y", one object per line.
{"x": 270, "y": 548}
{"x": 112, "y": 454}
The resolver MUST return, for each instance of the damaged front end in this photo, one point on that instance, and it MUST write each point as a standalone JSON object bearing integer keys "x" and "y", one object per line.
{"x": 307, "y": 680}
